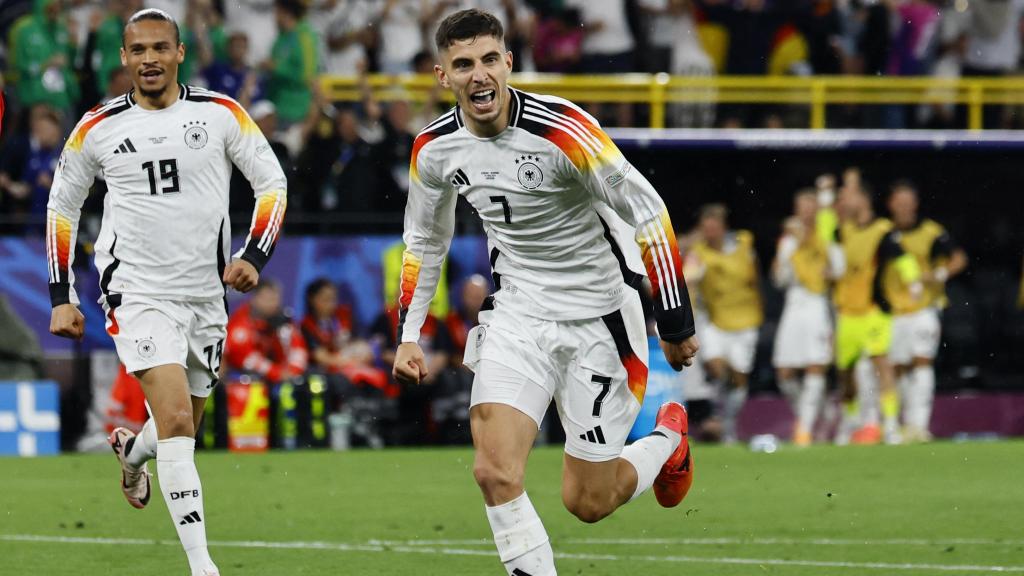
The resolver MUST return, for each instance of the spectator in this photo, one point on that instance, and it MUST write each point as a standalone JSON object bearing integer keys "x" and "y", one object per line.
{"x": 427, "y": 111}
{"x": 994, "y": 47}
{"x": 345, "y": 35}
{"x": 234, "y": 76}
{"x": 474, "y": 291}
{"x": 607, "y": 45}
{"x": 127, "y": 405}
{"x": 339, "y": 168}
{"x": 27, "y": 167}
{"x": 107, "y": 55}
{"x": 911, "y": 50}
{"x": 262, "y": 340}
{"x": 294, "y": 62}
{"x": 392, "y": 157}
{"x": 559, "y": 42}
{"x": 256, "y": 17}
{"x": 42, "y": 58}
{"x": 329, "y": 332}
{"x": 660, "y": 32}
{"x": 402, "y": 28}
{"x": 688, "y": 58}
{"x": 118, "y": 84}
{"x": 415, "y": 423}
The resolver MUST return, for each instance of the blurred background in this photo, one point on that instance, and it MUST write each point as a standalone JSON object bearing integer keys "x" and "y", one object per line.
{"x": 734, "y": 102}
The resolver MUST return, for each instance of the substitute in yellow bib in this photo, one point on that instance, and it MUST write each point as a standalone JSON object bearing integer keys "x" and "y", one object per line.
{"x": 916, "y": 329}
{"x": 805, "y": 264}
{"x": 725, "y": 265}
{"x": 863, "y": 325}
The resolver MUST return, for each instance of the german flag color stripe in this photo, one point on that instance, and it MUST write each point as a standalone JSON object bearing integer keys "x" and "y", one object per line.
{"x": 411, "y": 265}
{"x": 58, "y": 246}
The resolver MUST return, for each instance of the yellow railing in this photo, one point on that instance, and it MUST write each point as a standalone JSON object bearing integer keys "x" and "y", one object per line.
{"x": 660, "y": 90}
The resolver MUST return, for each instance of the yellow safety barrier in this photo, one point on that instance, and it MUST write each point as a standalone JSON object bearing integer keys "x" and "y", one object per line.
{"x": 659, "y": 90}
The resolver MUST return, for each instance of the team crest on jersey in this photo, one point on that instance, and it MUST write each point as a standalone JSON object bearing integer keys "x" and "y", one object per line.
{"x": 146, "y": 348}
{"x": 530, "y": 175}
{"x": 195, "y": 135}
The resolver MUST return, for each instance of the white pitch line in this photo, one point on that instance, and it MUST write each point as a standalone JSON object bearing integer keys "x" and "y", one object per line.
{"x": 405, "y": 549}
{"x": 810, "y": 541}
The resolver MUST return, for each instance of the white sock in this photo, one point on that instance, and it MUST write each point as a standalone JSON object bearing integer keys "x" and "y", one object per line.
{"x": 923, "y": 397}
{"x": 519, "y": 535}
{"x": 790, "y": 389}
{"x": 648, "y": 455}
{"x": 734, "y": 401}
{"x": 810, "y": 401}
{"x": 183, "y": 493}
{"x": 143, "y": 447}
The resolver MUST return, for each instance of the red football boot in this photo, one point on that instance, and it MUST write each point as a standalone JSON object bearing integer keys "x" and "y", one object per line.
{"x": 676, "y": 476}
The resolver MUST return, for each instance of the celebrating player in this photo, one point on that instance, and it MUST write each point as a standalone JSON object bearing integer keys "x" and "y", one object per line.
{"x": 804, "y": 264}
{"x": 864, "y": 325}
{"x": 915, "y": 324}
{"x": 565, "y": 321}
{"x": 726, "y": 269}
{"x": 166, "y": 152}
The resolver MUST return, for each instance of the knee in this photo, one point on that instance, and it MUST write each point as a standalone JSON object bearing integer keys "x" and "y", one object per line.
{"x": 177, "y": 423}
{"x": 587, "y": 506}
{"x": 498, "y": 483}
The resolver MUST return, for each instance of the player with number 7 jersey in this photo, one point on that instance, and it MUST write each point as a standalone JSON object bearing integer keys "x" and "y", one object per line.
{"x": 565, "y": 322}
{"x": 166, "y": 152}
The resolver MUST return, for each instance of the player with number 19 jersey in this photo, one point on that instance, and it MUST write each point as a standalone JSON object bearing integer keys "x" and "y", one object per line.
{"x": 165, "y": 232}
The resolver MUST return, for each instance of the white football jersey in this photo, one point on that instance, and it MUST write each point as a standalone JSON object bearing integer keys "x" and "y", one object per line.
{"x": 165, "y": 231}
{"x": 540, "y": 187}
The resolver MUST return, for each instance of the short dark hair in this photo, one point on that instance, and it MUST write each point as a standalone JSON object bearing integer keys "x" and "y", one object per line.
{"x": 903, "y": 184}
{"x": 465, "y": 25}
{"x": 717, "y": 211}
{"x": 297, "y": 8}
{"x": 152, "y": 14}
{"x": 314, "y": 288}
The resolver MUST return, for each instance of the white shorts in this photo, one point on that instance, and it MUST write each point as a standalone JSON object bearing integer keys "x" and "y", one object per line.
{"x": 736, "y": 347}
{"x": 915, "y": 335}
{"x": 148, "y": 332}
{"x": 594, "y": 369}
{"x": 804, "y": 337}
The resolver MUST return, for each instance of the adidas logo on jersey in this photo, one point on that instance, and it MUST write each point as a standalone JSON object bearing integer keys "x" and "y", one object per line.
{"x": 125, "y": 147}
{"x": 460, "y": 178}
{"x": 596, "y": 436}
{"x": 191, "y": 518}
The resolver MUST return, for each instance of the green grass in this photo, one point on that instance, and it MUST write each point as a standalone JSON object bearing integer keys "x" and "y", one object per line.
{"x": 941, "y": 505}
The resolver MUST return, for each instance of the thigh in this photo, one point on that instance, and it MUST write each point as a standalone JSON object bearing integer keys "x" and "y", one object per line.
{"x": 147, "y": 333}
{"x": 741, "y": 346}
{"x": 849, "y": 340}
{"x": 878, "y": 334}
{"x": 205, "y": 346}
{"x": 900, "y": 352}
{"x": 926, "y": 334}
{"x": 601, "y": 390}
{"x": 712, "y": 345}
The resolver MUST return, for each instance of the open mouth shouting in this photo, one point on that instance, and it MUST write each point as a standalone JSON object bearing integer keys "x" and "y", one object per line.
{"x": 484, "y": 100}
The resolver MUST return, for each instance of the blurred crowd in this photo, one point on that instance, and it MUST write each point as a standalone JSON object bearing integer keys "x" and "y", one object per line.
{"x": 348, "y": 160}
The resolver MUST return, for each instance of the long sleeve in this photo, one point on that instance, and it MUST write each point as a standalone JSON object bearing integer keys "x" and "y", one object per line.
{"x": 249, "y": 150}
{"x": 75, "y": 173}
{"x": 612, "y": 180}
{"x": 429, "y": 225}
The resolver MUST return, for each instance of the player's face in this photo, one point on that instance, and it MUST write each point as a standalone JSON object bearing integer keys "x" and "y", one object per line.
{"x": 476, "y": 71}
{"x": 903, "y": 207}
{"x": 712, "y": 229}
{"x": 152, "y": 56}
{"x": 805, "y": 207}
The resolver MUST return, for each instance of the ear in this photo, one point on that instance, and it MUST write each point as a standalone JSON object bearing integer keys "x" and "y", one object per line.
{"x": 124, "y": 57}
{"x": 442, "y": 77}
{"x": 508, "y": 60}
{"x": 181, "y": 53}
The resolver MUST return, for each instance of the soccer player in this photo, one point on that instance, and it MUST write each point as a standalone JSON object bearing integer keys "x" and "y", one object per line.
{"x": 565, "y": 321}
{"x": 915, "y": 324}
{"x": 729, "y": 287}
{"x": 166, "y": 152}
{"x": 804, "y": 264}
{"x": 864, "y": 326}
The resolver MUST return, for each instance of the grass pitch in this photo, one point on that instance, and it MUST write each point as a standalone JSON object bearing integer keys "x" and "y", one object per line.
{"x": 916, "y": 510}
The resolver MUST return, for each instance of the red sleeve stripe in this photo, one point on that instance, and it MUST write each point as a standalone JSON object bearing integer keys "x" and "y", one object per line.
{"x": 572, "y": 124}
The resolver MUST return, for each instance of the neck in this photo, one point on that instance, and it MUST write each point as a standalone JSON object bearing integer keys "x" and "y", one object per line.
{"x": 865, "y": 218}
{"x": 494, "y": 128}
{"x": 158, "y": 101}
